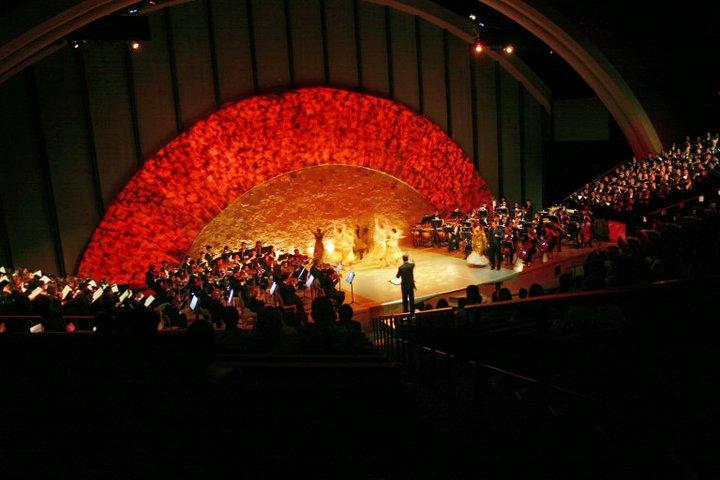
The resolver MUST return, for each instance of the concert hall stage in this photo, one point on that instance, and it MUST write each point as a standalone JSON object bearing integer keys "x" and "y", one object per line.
{"x": 435, "y": 274}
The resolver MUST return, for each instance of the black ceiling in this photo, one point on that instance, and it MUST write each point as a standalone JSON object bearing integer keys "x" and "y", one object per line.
{"x": 667, "y": 51}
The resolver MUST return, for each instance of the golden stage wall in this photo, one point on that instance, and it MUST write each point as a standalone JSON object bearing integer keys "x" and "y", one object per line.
{"x": 284, "y": 210}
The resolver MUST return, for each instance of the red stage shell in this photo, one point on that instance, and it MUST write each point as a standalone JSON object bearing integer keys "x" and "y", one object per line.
{"x": 194, "y": 177}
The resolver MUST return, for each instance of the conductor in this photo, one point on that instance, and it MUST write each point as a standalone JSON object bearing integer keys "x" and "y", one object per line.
{"x": 407, "y": 284}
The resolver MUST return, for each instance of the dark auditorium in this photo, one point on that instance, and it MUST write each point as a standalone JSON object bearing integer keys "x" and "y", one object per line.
{"x": 442, "y": 239}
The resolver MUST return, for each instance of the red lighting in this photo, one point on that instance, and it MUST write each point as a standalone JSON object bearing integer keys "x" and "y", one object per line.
{"x": 478, "y": 47}
{"x": 187, "y": 183}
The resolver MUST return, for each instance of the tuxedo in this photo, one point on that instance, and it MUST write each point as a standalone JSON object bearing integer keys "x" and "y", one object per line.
{"x": 407, "y": 285}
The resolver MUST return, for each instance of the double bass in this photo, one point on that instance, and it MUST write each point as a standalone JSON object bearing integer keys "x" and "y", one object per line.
{"x": 585, "y": 234}
{"x": 528, "y": 246}
{"x": 507, "y": 241}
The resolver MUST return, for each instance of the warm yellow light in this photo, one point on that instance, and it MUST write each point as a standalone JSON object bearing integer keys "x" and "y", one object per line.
{"x": 135, "y": 45}
{"x": 478, "y": 47}
{"x": 509, "y": 50}
{"x": 329, "y": 246}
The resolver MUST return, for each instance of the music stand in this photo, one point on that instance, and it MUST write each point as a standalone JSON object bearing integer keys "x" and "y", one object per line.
{"x": 349, "y": 279}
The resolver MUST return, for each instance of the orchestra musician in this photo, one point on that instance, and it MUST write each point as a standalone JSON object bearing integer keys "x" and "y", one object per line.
{"x": 437, "y": 222}
{"x": 508, "y": 244}
{"x": 482, "y": 212}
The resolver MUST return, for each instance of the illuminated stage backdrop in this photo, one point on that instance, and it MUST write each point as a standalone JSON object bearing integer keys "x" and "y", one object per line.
{"x": 163, "y": 208}
{"x": 285, "y": 209}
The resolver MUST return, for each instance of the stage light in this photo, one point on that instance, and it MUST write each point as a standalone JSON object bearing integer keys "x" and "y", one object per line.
{"x": 76, "y": 45}
{"x": 472, "y": 17}
{"x": 135, "y": 45}
{"x": 478, "y": 48}
{"x": 329, "y": 246}
{"x": 509, "y": 49}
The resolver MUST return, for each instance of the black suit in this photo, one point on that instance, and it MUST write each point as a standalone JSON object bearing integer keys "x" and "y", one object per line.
{"x": 407, "y": 285}
{"x": 494, "y": 247}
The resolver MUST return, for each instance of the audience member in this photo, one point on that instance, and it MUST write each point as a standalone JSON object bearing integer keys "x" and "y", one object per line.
{"x": 536, "y": 290}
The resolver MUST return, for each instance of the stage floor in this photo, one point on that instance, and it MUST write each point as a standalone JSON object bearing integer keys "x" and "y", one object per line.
{"x": 435, "y": 274}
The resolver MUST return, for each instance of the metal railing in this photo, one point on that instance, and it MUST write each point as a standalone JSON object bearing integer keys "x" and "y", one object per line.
{"x": 476, "y": 386}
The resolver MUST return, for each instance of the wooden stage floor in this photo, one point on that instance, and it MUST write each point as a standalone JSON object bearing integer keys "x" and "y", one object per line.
{"x": 443, "y": 274}
{"x": 435, "y": 274}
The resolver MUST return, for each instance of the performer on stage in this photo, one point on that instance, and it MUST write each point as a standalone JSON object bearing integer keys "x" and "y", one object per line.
{"x": 361, "y": 246}
{"x": 392, "y": 250}
{"x": 477, "y": 257}
{"x": 494, "y": 241}
{"x": 379, "y": 246}
{"x": 407, "y": 284}
{"x": 344, "y": 242}
{"x": 319, "y": 248}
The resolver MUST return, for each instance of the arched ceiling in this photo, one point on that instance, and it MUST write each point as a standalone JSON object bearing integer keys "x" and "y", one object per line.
{"x": 559, "y": 34}
{"x": 533, "y": 15}
{"x": 541, "y": 21}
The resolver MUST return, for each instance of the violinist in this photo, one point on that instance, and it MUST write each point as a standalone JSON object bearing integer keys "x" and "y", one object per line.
{"x": 297, "y": 259}
{"x": 483, "y": 211}
{"x": 208, "y": 256}
{"x": 508, "y": 244}
{"x": 286, "y": 290}
{"x": 529, "y": 245}
{"x": 328, "y": 280}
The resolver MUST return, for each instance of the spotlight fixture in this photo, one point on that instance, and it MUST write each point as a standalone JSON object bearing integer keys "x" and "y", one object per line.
{"x": 478, "y": 48}
{"x": 472, "y": 17}
{"x": 135, "y": 45}
{"x": 509, "y": 49}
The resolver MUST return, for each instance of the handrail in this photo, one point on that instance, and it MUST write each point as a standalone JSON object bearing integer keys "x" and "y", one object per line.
{"x": 606, "y": 172}
{"x": 678, "y": 203}
{"x": 590, "y": 294}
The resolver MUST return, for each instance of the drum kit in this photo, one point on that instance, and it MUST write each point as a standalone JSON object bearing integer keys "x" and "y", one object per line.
{"x": 434, "y": 231}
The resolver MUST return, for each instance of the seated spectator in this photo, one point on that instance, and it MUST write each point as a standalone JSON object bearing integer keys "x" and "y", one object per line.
{"x": 442, "y": 303}
{"x": 536, "y": 290}
{"x": 323, "y": 312}
{"x": 231, "y": 333}
{"x": 566, "y": 282}
{"x": 199, "y": 344}
{"x": 504, "y": 295}
{"x": 472, "y": 294}
{"x": 523, "y": 293}
{"x": 346, "y": 321}
{"x": 268, "y": 327}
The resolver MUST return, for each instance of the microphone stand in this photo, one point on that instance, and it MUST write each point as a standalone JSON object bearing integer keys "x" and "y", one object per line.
{"x": 352, "y": 293}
